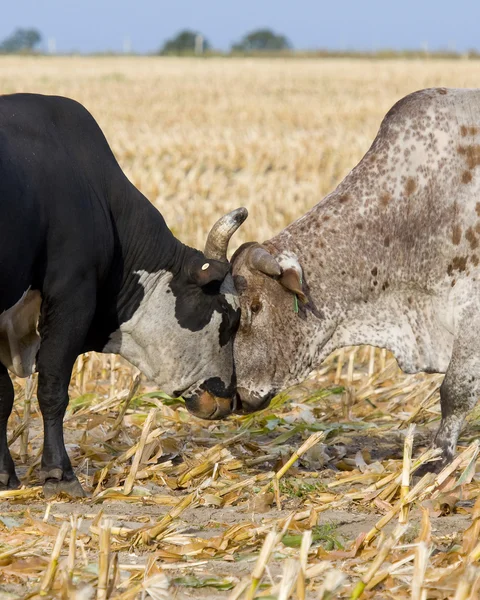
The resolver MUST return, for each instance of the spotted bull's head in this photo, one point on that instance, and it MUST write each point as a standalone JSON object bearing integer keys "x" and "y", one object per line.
{"x": 181, "y": 335}
{"x": 270, "y": 346}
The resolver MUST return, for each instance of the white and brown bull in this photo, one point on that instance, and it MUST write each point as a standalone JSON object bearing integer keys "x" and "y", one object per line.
{"x": 390, "y": 258}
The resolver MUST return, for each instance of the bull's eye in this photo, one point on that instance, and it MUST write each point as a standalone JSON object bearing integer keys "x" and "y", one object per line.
{"x": 256, "y": 306}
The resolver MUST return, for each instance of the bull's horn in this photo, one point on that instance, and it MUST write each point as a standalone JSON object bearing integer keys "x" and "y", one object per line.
{"x": 263, "y": 261}
{"x": 221, "y": 232}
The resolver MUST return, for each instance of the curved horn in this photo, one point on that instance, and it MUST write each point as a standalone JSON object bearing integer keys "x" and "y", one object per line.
{"x": 220, "y": 234}
{"x": 263, "y": 261}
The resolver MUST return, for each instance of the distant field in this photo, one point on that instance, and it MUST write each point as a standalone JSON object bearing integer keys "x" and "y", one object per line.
{"x": 188, "y": 516}
{"x": 200, "y": 137}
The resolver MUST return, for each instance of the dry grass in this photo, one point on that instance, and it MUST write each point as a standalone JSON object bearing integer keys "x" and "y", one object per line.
{"x": 200, "y": 137}
{"x": 311, "y": 498}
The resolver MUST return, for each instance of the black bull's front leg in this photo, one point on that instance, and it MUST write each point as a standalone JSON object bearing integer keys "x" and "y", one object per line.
{"x": 64, "y": 325}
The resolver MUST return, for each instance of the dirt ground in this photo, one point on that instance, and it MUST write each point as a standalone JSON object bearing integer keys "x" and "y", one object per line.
{"x": 207, "y": 487}
{"x": 205, "y": 522}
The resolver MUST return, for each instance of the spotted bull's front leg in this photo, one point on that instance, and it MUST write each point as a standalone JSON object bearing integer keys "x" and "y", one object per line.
{"x": 459, "y": 391}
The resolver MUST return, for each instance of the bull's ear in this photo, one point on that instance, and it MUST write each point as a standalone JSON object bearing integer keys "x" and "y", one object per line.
{"x": 204, "y": 271}
{"x": 292, "y": 274}
{"x": 290, "y": 279}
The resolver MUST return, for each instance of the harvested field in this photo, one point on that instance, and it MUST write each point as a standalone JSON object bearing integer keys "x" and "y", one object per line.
{"x": 314, "y": 497}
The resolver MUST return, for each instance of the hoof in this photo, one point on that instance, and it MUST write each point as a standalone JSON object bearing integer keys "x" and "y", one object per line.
{"x": 9, "y": 481}
{"x": 54, "y": 485}
{"x": 72, "y": 488}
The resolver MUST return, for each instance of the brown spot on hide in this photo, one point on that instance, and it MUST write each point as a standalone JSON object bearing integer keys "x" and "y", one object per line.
{"x": 477, "y": 208}
{"x": 453, "y": 282}
{"x": 471, "y": 154}
{"x": 374, "y": 271}
{"x": 465, "y": 130}
{"x": 410, "y": 300}
{"x": 410, "y": 186}
{"x": 326, "y": 217}
{"x": 472, "y": 238}
{"x": 456, "y": 234}
{"x": 386, "y": 241}
{"x": 459, "y": 263}
{"x": 385, "y": 199}
{"x": 359, "y": 225}
{"x": 466, "y": 177}
{"x": 477, "y": 227}
{"x": 344, "y": 198}
{"x": 474, "y": 259}
{"x": 385, "y": 285}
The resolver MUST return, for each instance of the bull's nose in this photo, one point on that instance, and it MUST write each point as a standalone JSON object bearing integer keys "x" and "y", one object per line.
{"x": 248, "y": 401}
{"x": 208, "y": 406}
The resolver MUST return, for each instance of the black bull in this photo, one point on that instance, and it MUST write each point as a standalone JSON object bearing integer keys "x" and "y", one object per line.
{"x": 87, "y": 263}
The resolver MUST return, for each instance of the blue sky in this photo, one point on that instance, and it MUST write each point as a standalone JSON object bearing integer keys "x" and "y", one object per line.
{"x": 96, "y": 25}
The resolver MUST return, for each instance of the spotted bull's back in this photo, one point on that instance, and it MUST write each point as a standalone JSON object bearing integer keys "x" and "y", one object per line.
{"x": 411, "y": 207}
{"x": 421, "y": 178}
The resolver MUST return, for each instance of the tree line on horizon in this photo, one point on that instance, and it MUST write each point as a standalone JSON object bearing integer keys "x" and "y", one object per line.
{"x": 257, "y": 42}
{"x": 184, "y": 42}
{"x": 188, "y": 41}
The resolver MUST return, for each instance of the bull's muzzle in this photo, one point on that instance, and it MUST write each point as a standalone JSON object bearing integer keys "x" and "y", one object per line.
{"x": 207, "y": 406}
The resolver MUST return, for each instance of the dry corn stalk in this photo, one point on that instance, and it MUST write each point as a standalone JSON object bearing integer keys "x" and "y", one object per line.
{"x": 148, "y": 535}
{"x": 289, "y": 576}
{"x": 104, "y": 559}
{"x": 131, "y": 394}
{"x": 407, "y": 462}
{"x": 271, "y": 540}
{"x": 383, "y": 551}
{"x": 51, "y": 571}
{"x": 130, "y": 480}
{"x": 309, "y": 443}
{"x": 422, "y": 552}
{"x": 75, "y": 523}
{"x": 27, "y": 407}
{"x": 303, "y": 558}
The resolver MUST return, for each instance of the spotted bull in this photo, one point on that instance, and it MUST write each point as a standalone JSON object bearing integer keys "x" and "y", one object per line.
{"x": 87, "y": 263}
{"x": 390, "y": 258}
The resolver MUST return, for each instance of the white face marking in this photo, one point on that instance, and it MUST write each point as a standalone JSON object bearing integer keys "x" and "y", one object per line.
{"x": 174, "y": 357}
{"x": 19, "y": 336}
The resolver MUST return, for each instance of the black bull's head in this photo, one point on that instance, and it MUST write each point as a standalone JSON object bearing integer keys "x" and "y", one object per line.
{"x": 209, "y": 299}
{"x": 212, "y": 399}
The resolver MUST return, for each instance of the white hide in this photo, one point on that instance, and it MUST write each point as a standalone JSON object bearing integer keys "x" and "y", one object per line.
{"x": 154, "y": 341}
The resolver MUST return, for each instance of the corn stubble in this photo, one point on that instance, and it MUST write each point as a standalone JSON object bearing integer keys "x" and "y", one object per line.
{"x": 200, "y": 138}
